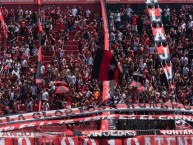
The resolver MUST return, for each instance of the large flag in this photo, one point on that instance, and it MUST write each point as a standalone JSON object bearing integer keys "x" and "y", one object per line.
{"x": 105, "y": 66}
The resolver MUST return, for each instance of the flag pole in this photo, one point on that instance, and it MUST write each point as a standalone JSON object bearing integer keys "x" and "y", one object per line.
{"x": 4, "y": 46}
{"x": 39, "y": 44}
{"x": 108, "y": 86}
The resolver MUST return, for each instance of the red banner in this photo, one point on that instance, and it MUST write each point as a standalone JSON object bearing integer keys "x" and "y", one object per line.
{"x": 14, "y": 126}
{"x": 56, "y": 114}
{"x": 140, "y": 140}
{"x": 159, "y": 140}
{"x": 18, "y": 1}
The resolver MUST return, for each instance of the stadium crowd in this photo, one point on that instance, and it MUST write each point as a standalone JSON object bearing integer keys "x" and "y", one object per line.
{"x": 131, "y": 43}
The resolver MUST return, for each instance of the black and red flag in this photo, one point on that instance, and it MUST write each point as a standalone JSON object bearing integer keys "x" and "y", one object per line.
{"x": 159, "y": 34}
{"x": 163, "y": 53}
{"x": 168, "y": 72}
{"x": 105, "y": 66}
{"x": 155, "y": 15}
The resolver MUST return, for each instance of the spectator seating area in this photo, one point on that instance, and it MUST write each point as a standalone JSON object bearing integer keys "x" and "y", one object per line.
{"x": 69, "y": 40}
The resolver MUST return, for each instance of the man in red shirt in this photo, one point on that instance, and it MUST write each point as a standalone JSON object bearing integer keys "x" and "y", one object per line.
{"x": 134, "y": 22}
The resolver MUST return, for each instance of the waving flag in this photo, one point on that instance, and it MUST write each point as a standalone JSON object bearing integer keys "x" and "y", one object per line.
{"x": 105, "y": 66}
{"x": 163, "y": 53}
{"x": 168, "y": 72}
{"x": 159, "y": 34}
{"x": 155, "y": 15}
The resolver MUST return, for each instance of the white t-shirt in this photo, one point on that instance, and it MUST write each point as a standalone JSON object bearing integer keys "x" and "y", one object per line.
{"x": 45, "y": 106}
{"x": 42, "y": 69}
{"x": 24, "y": 63}
{"x": 88, "y": 94}
{"x": 45, "y": 95}
{"x": 183, "y": 26}
{"x": 34, "y": 90}
{"x": 190, "y": 24}
{"x": 129, "y": 11}
{"x": 74, "y": 12}
{"x": 9, "y": 63}
{"x": 27, "y": 51}
{"x": 88, "y": 13}
{"x": 143, "y": 65}
{"x": 119, "y": 36}
{"x": 17, "y": 73}
{"x": 117, "y": 17}
{"x": 11, "y": 94}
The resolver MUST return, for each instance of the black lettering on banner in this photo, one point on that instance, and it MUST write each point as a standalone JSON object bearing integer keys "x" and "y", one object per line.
{"x": 13, "y": 133}
{"x": 130, "y": 104}
{"x": 5, "y": 134}
{"x": 9, "y": 120}
{"x": 21, "y": 117}
{"x": 81, "y": 110}
{"x": 187, "y": 107}
{"x": 90, "y": 108}
{"x": 35, "y": 115}
{"x": 106, "y": 133}
{"x": 58, "y": 113}
{"x": 44, "y": 114}
{"x": 69, "y": 112}
{"x": 101, "y": 108}
{"x": 142, "y": 106}
{"x": 27, "y": 133}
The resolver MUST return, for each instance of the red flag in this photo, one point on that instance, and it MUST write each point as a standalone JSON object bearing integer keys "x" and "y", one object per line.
{"x": 2, "y": 23}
